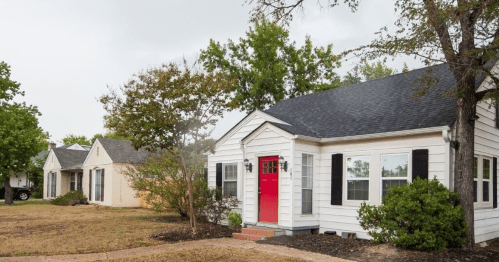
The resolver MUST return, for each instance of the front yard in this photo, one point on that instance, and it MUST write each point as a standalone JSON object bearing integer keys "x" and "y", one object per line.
{"x": 38, "y": 228}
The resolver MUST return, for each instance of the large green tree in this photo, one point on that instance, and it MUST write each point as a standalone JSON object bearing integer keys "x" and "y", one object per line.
{"x": 268, "y": 67}
{"x": 367, "y": 72}
{"x": 171, "y": 108}
{"x": 72, "y": 139}
{"x": 462, "y": 33}
{"x": 20, "y": 135}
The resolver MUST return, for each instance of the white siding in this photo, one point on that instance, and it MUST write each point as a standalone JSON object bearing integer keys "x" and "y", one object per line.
{"x": 268, "y": 143}
{"x": 51, "y": 165}
{"x": 344, "y": 218}
{"x": 101, "y": 161}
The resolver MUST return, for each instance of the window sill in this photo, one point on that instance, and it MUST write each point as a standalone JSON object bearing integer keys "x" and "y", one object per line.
{"x": 307, "y": 215}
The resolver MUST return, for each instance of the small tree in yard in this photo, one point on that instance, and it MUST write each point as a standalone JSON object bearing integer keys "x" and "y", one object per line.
{"x": 20, "y": 135}
{"x": 423, "y": 215}
{"x": 462, "y": 33}
{"x": 169, "y": 108}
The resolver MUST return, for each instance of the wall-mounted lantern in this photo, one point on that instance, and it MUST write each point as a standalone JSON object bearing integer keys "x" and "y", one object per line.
{"x": 248, "y": 165}
{"x": 283, "y": 164}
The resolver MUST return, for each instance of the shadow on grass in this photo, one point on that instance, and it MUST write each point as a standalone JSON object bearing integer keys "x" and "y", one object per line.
{"x": 162, "y": 218}
{"x": 26, "y": 203}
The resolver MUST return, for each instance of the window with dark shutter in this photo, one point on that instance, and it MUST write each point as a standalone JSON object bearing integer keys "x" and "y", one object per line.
{"x": 494, "y": 181}
{"x": 336, "y": 179}
{"x": 102, "y": 186}
{"x": 219, "y": 175}
{"x": 497, "y": 114}
{"x": 420, "y": 164}
{"x": 90, "y": 185}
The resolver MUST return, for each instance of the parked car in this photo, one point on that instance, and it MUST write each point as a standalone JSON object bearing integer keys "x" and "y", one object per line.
{"x": 20, "y": 193}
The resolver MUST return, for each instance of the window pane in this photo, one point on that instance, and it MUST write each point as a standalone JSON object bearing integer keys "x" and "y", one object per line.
{"x": 358, "y": 190}
{"x": 485, "y": 191}
{"x": 231, "y": 172}
{"x": 307, "y": 171}
{"x": 389, "y": 183}
{"x": 358, "y": 167}
{"x": 97, "y": 185}
{"x": 230, "y": 188}
{"x": 486, "y": 169}
{"x": 394, "y": 165}
{"x": 476, "y": 168}
{"x": 474, "y": 191}
{"x": 306, "y": 203}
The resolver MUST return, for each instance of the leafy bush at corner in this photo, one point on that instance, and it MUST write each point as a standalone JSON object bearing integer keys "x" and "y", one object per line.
{"x": 234, "y": 219}
{"x": 70, "y": 199}
{"x": 423, "y": 215}
{"x": 37, "y": 195}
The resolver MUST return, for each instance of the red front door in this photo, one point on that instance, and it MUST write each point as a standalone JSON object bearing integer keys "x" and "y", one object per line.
{"x": 268, "y": 188}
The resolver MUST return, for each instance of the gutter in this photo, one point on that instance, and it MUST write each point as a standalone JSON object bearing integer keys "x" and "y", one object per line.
{"x": 377, "y": 135}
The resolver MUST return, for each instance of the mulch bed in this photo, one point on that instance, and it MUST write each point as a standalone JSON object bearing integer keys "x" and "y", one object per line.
{"x": 183, "y": 232}
{"x": 364, "y": 250}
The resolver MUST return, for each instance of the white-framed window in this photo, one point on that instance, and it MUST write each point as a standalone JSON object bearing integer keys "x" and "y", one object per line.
{"x": 53, "y": 184}
{"x": 307, "y": 178}
{"x": 72, "y": 181}
{"x": 98, "y": 182}
{"x": 229, "y": 179}
{"x": 357, "y": 170}
{"x": 482, "y": 184}
{"x": 394, "y": 171}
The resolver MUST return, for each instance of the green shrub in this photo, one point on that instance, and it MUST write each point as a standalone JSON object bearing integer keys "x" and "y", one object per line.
{"x": 234, "y": 219}
{"x": 37, "y": 195}
{"x": 69, "y": 199}
{"x": 423, "y": 215}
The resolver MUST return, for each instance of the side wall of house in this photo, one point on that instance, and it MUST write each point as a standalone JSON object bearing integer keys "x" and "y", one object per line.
{"x": 51, "y": 165}
{"x": 101, "y": 161}
{"x": 487, "y": 145}
{"x": 268, "y": 143}
{"x": 344, "y": 218}
{"x": 229, "y": 151}
{"x": 123, "y": 194}
{"x": 314, "y": 149}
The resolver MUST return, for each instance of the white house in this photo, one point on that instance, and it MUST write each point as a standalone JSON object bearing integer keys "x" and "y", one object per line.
{"x": 348, "y": 145}
{"x": 98, "y": 171}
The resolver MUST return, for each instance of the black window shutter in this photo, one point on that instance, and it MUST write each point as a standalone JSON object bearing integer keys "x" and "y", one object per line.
{"x": 497, "y": 114}
{"x": 336, "y": 179}
{"x": 420, "y": 164}
{"x": 494, "y": 181}
{"x": 219, "y": 175}
{"x": 102, "y": 186}
{"x": 90, "y": 185}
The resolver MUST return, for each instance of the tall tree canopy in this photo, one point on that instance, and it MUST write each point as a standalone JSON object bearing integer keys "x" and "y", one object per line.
{"x": 462, "y": 33}
{"x": 171, "y": 108}
{"x": 71, "y": 139}
{"x": 20, "y": 135}
{"x": 268, "y": 67}
{"x": 367, "y": 72}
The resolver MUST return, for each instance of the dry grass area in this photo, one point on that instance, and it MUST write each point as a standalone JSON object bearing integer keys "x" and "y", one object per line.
{"x": 208, "y": 254}
{"x": 38, "y": 228}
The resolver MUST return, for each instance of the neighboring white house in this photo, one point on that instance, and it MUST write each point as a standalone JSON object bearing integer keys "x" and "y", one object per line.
{"x": 97, "y": 171}
{"x": 348, "y": 145}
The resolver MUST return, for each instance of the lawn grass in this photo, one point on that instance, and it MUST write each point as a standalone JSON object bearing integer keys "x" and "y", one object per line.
{"x": 38, "y": 228}
{"x": 207, "y": 254}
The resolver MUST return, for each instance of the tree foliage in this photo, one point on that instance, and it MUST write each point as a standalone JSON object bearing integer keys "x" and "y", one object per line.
{"x": 268, "y": 67}
{"x": 462, "y": 33}
{"x": 367, "y": 72}
{"x": 110, "y": 135}
{"x": 20, "y": 135}
{"x": 171, "y": 108}
{"x": 72, "y": 139}
{"x": 423, "y": 215}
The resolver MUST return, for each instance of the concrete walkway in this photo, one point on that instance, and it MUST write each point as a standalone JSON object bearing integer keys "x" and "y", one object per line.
{"x": 208, "y": 243}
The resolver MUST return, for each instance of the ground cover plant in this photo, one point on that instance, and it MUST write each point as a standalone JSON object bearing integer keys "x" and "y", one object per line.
{"x": 422, "y": 215}
{"x": 70, "y": 199}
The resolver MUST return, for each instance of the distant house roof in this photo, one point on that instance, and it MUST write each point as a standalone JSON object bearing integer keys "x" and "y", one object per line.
{"x": 70, "y": 159}
{"x": 122, "y": 151}
{"x": 377, "y": 106}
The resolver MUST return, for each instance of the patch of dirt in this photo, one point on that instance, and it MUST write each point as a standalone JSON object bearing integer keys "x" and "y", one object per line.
{"x": 183, "y": 232}
{"x": 23, "y": 231}
{"x": 364, "y": 250}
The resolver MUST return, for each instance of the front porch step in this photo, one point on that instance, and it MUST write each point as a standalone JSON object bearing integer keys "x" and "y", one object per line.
{"x": 257, "y": 233}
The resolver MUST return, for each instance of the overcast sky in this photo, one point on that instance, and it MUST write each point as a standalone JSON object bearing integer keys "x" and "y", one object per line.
{"x": 65, "y": 53}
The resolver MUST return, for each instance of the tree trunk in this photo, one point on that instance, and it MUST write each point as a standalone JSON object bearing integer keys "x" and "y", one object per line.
{"x": 191, "y": 195}
{"x": 465, "y": 153}
{"x": 9, "y": 192}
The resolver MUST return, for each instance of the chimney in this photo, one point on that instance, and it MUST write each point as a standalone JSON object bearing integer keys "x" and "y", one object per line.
{"x": 52, "y": 145}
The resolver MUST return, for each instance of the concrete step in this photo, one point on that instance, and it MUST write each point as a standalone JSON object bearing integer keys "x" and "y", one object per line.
{"x": 242, "y": 236}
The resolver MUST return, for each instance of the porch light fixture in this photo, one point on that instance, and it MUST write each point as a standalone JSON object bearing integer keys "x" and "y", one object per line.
{"x": 283, "y": 164}
{"x": 248, "y": 165}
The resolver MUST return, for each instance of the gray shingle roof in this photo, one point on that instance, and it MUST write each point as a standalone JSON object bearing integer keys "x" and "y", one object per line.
{"x": 122, "y": 151}
{"x": 378, "y": 106}
{"x": 70, "y": 159}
